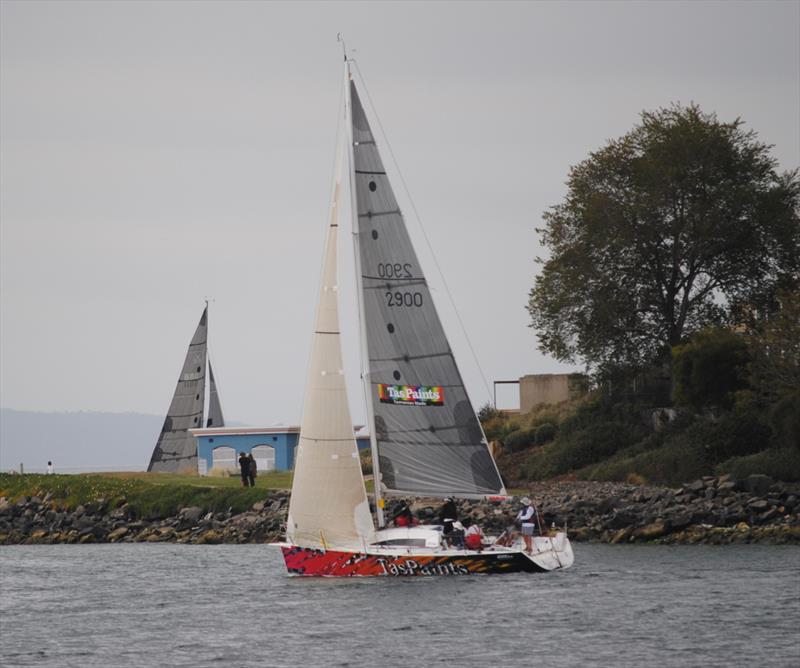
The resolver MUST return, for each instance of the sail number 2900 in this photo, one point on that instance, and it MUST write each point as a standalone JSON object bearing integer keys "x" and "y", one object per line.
{"x": 400, "y": 298}
{"x": 394, "y": 270}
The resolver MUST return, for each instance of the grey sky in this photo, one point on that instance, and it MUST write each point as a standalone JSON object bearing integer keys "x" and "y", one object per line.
{"x": 156, "y": 153}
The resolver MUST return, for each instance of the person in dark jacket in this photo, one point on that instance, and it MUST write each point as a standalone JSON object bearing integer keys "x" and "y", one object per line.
{"x": 252, "y": 469}
{"x": 244, "y": 466}
{"x": 448, "y": 515}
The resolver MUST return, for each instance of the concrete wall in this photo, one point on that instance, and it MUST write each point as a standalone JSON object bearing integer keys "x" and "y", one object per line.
{"x": 549, "y": 388}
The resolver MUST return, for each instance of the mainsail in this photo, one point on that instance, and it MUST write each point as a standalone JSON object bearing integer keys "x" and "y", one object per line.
{"x": 328, "y": 506}
{"x": 176, "y": 450}
{"x": 427, "y": 436}
{"x": 215, "y": 418}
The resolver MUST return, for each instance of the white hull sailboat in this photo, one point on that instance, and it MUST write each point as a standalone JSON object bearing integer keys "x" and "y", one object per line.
{"x": 426, "y": 440}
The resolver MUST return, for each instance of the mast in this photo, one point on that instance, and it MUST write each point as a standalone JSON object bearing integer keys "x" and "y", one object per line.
{"x": 365, "y": 374}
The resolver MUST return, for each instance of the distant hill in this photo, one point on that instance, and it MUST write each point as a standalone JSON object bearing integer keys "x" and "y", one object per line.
{"x": 78, "y": 442}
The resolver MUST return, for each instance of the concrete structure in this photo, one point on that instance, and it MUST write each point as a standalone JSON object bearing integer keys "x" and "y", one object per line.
{"x": 550, "y": 388}
{"x": 271, "y": 447}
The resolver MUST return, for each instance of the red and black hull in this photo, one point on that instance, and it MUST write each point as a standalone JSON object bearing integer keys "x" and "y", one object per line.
{"x": 334, "y": 563}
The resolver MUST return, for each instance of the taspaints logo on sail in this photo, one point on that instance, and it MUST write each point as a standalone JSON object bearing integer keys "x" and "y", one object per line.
{"x": 411, "y": 395}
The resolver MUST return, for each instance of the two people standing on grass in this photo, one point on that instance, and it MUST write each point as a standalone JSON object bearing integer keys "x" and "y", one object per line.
{"x": 248, "y": 469}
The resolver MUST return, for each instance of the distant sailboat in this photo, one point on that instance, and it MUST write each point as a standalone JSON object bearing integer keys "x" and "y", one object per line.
{"x": 176, "y": 448}
{"x": 426, "y": 438}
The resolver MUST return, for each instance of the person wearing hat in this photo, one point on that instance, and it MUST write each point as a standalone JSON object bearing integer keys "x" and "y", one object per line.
{"x": 526, "y": 518}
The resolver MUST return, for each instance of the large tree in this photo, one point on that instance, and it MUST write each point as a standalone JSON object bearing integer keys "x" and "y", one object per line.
{"x": 667, "y": 230}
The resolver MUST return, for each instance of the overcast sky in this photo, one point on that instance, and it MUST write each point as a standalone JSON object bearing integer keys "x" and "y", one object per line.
{"x": 154, "y": 154}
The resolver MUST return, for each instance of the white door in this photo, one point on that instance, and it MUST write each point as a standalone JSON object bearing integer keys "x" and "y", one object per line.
{"x": 224, "y": 457}
{"x": 265, "y": 457}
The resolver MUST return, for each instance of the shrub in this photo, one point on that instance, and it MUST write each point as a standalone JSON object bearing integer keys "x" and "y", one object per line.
{"x": 487, "y": 412}
{"x": 709, "y": 369}
{"x": 365, "y": 456}
{"x": 784, "y": 419}
{"x": 778, "y": 463}
{"x": 497, "y": 427}
{"x": 741, "y": 432}
{"x": 520, "y": 439}
{"x": 544, "y": 433}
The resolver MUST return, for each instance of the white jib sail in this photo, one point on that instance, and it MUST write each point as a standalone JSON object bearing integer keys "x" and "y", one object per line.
{"x": 328, "y": 506}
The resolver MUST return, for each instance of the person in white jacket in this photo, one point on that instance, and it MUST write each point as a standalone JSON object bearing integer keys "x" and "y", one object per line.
{"x": 526, "y": 518}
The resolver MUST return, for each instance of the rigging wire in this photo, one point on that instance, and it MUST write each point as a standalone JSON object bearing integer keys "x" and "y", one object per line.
{"x": 422, "y": 227}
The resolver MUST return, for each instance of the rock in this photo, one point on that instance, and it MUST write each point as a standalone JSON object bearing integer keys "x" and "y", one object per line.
{"x": 210, "y": 537}
{"x": 725, "y": 488}
{"x": 622, "y": 535}
{"x": 258, "y": 506}
{"x": 680, "y": 520}
{"x": 768, "y": 515}
{"x": 116, "y": 534}
{"x": 191, "y": 514}
{"x": 758, "y": 484}
{"x": 622, "y": 519}
{"x": 651, "y": 531}
{"x": 758, "y": 504}
{"x": 606, "y": 505}
{"x": 696, "y": 487}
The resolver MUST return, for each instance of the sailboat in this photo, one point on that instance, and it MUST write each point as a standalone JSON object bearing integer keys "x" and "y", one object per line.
{"x": 426, "y": 440}
{"x": 176, "y": 448}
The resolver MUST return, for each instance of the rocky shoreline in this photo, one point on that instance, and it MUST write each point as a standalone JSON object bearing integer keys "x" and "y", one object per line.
{"x": 710, "y": 511}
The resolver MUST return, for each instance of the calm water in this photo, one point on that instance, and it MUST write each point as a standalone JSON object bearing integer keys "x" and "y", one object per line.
{"x": 180, "y": 605}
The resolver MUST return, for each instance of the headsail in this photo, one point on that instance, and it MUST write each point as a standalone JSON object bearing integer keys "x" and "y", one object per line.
{"x": 176, "y": 450}
{"x": 215, "y": 418}
{"x": 328, "y": 506}
{"x": 428, "y": 438}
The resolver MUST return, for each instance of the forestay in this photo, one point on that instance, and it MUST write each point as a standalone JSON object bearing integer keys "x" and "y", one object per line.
{"x": 328, "y": 506}
{"x": 428, "y": 439}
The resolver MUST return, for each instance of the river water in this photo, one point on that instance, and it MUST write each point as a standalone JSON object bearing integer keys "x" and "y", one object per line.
{"x": 231, "y": 605}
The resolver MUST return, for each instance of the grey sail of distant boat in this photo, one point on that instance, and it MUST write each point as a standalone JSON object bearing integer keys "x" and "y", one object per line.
{"x": 176, "y": 450}
{"x": 215, "y": 418}
{"x": 427, "y": 437}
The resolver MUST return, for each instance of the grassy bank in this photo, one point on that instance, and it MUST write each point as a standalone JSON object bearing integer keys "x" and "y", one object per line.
{"x": 602, "y": 440}
{"x": 148, "y": 495}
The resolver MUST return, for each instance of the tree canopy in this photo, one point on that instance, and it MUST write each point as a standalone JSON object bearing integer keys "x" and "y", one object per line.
{"x": 681, "y": 224}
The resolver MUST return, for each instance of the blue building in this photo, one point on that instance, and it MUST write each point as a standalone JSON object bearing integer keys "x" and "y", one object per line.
{"x": 271, "y": 447}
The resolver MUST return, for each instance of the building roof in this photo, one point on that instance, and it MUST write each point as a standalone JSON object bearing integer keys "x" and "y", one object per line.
{"x": 248, "y": 431}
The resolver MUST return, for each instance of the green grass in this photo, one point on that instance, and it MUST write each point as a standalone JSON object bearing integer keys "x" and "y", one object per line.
{"x": 148, "y": 495}
{"x": 271, "y": 480}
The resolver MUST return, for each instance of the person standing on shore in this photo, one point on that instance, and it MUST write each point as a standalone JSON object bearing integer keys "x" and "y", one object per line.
{"x": 526, "y": 518}
{"x": 244, "y": 467}
{"x": 252, "y": 469}
{"x": 50, "y": 468}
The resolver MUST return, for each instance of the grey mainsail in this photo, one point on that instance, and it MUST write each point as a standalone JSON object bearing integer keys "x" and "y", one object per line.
{"x": 427, "y": 436}
{"x": 176, "y": 450}
{"x": 215, "y": 418}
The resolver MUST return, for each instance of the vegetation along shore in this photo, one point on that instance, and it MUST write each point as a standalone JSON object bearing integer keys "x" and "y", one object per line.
{"x": 37, "y": 509}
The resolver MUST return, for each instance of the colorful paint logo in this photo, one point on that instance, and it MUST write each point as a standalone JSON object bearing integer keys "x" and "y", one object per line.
{"x": 411, "y": 395}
